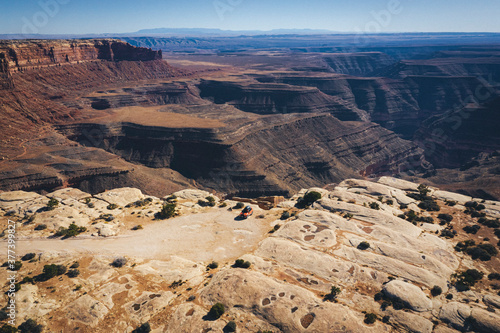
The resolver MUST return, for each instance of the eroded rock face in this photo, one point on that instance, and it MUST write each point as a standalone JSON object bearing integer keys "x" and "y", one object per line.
{"x": 455, "y": 314}
{"x": 409, "y": 294}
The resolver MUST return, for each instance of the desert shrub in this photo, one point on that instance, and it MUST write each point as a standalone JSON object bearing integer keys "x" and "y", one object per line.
{"x": 285, "y": 216}
{"x": 28, "y": 256}
{"x": 50, "y": 271}
{"x": 119, "y": 262}
{"x": 308, "y": 199}
{"x": 112, "y": 206}
{"x": 239, "y": 205}
{"x": 403, "y": 206}
{"x": 213, "y": 265}
{"x": 472, "y": 229}
{"x": 3, "y": 315}
{"x": 230, "y": 327}
{"x": 445, "y": 217}
{"x": 275, "y": 228}
{"x": 374, "y": 205}
{"x": 449, "y": 296}
{"x": 363, "y": 245}
{"x": 216, "y": 311}
{"x": 489, "y": 223}
{"x": 52, "y": 204}
{"x": 447, "y": 233}
{"x": 144, "y": 328}
{"x": 16, "y": 266}
{"x": 27, "y": 279}
{"x": 72, "y": 231}
{"x": 471, "y": 204}
{"x": 332, "y": 296}
{"x": 429, "y": 205}
{"x": 73, "y": 273}
{"x": 494, "y": 276}
{"x": 30, "y": 326}
{"x": 477, "y": 214}
{"x": 8, "y": 329}
{"x": 390, "y": 202}
{"x": 211, "y": 201}
{"x": 484, "y": 252}
{"x": 167, "y": 211}
{"x": 462, "y": 246}
{"x": 450, "y": 203}
{"x": 76, "y": 264}
{"x": 425, "y": 219}
{"x": 436, "y": 291}
{"x": 410, "y": 215}
{"x": 467, "y": 279}
{"x": 240, "y": 263}
{"x": 138, "y": 227}
{"x": 41, "y": 227}
{"x": 171, "y": 198}
{"x": 370, "y": 318}
{"x": 223, "y": 205}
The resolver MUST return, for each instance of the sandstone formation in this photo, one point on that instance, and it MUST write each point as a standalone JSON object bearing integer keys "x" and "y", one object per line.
{"x": 384, "y": 266}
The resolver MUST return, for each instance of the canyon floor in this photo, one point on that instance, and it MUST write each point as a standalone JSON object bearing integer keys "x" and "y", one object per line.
{"x": 397, "y": 266}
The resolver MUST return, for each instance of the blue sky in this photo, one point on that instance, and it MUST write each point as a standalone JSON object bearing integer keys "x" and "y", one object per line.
{"x": 120, "y": 16}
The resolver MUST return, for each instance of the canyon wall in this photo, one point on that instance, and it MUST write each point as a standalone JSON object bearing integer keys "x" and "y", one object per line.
{"x": 32, "y": 54}
{"x": 273, "y": 155}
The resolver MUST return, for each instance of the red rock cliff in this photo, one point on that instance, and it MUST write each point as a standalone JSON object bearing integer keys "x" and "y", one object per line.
{"x": 32, "y": 54}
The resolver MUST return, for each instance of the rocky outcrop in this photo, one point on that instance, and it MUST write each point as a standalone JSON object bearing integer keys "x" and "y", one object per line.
{"x": 410, "y": 295}
{"x": 33, "y": 54}
{"x": 272, "y": 98}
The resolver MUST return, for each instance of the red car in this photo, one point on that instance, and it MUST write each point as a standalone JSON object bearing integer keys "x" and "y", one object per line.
{"x": 246, "y": 212}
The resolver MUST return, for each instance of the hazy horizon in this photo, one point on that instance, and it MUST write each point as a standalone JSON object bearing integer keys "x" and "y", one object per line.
{"x": 60, "y": 17}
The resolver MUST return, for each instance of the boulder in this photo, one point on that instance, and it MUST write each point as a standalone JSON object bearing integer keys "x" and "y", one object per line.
{"x": 485, "y": 321}
{"x": 450, "y": 196}
{"x": 411, "y": 322}
{"x": 492, "y": 300}
{"x": 411, "y": 295}
{"x": 455, "y": 314}
{"x": 121, "y": 196}
{"x": 69, "y": 193}
{"x": 191, "y": 194}
{"x": 398, "y": 183}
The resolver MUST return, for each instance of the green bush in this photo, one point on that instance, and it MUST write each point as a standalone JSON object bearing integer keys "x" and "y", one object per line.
{"x": 364, "y": 246}
{"x": 30, "y": 326}
{"x": 144, "y": 328}
{"x": 436, "y": 291}
{"x": 211, "y": 201}
{"x": 445, "y": 217}
{"x": 374, "y": 205}
{"x": 28, "y": 256}
{"x": 467, "y": 279}
{"x": 50, "y": 271}
{"x": 216, "y": 311}
{"x": 41, "y": 227}
{"x": 112, "y": 206}
{"x": 429, "y": 205}
{"x": 52, "y": 204}
{"x": 72, "y": 273}
{"x": 308, "y": 199}
{"x": 8, "y": 329}
{"x": 213, "y": 265}
{"x": 17, "y": 266}
{"x": 240, "y": 263}
{"x": 230, "y": 327}
{"x": 334, "y": 292}
{"x": 285, "y": 215}
{"x": 167, "y": 211}
{"x": 72, "y": 231}
{"x": 370, "y": 318}
{"x": 239, "y": 205}
{"x": 119, "y": 262}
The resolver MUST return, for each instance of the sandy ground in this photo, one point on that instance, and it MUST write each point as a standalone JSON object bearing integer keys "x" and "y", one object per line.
{"x": 199, "y": 237}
